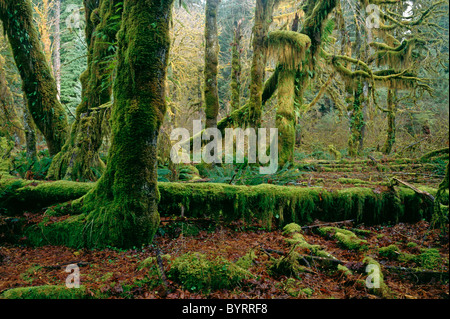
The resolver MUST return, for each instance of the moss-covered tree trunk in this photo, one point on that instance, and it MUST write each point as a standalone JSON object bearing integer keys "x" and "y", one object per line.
{"x": 12, "y": 124}
{"x": 285, "y": 116}
{"x": 356, "y": 119}
{"x": 236, "y": 68}
{"x": 211, "y": 63}
{"x": 30, "y": 133}
{"x": 121, "y": 210}
{"x": 263, "y": 19}
{"x": 79, "y": 158}
{"x": 38, "y": 83}
{"x": 391, "y": 108}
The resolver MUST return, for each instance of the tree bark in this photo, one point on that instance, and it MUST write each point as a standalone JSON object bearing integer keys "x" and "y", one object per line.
{"x": 236, "y": 68}
{"x": 211, "y": 63}
{"x": 57, "y": 47}
{"x": 38, "y": 83}
{"x": 390, "y": 139}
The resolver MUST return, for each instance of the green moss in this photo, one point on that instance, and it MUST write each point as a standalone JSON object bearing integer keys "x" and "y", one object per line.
{"x": 411, "y": 245}
{"x": 151, "y": 261}
{"x": 345, "y": 238}
{"x": 195, "y": 272}
{"x": 429, "y": 258}
{"x": 391, "y": 252}
{"x": 29, "y": 275}
{"x": 292, "y": 228}
{"x": 17, "y": 195}
{"x": 121, "y": 210}
{"x": 247, "y": 260}
{"x": 286, "y": 266}
{"x": 45, "y": 292}
{"x": 344, "y": 270}
{"x": 271, "y": 205}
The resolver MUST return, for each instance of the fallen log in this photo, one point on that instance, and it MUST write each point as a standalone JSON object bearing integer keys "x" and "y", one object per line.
{"x": 418, "y": 191}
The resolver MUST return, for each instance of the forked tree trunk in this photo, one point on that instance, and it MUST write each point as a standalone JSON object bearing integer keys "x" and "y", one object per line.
{"x": 38, "y": 82}
{"x": 121, "y": 210}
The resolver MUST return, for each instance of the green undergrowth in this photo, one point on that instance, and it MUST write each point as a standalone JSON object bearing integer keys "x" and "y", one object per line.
{"x": 428, "y": 258}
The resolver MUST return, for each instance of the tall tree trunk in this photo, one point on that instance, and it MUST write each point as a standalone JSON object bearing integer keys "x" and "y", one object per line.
{"x": 263, "y": 19}
{"x": 391, "y": 108}
{"x": 356, "y": 119}
{"x": 57, "y": 47}
{"x": 285, "y": 118}
{"x": 236, "y": 68}
{"x": 30, "y": 133}
{"x": 121, "y": 210}
{"x": 12, "y": 124}
{"x": 211, "y": 63}
{"x": 38, "y": 83}
{"x": 79, "y": 159}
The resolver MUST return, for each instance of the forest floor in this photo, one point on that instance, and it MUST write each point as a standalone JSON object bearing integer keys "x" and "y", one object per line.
{"x": 117, "y": 273}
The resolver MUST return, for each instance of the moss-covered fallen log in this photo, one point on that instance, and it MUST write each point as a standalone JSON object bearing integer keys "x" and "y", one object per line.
{"x": 269, "y": 204}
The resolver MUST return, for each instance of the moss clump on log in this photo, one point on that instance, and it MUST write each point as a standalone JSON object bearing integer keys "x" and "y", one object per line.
{"x": 346, "y": 238}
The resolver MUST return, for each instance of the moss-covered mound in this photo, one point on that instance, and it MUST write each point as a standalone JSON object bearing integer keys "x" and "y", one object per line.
{"x": 45, "y": 292}
{"x": 195, "y": 272}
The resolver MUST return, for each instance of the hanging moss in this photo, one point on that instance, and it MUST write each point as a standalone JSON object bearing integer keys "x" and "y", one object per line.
{"x": 288, "y": 47}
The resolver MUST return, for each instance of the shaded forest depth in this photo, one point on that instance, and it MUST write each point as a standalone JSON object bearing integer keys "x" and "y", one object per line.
{"x": 91, "y": 92}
